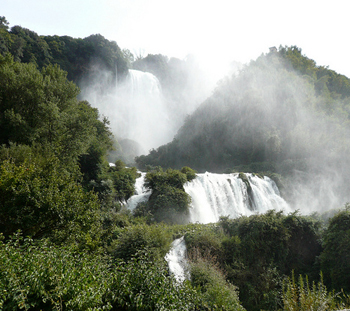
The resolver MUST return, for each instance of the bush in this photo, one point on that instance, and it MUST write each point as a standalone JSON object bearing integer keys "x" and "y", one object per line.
{"x": 260, "y": 249}
{"x": 335, "y": 258}
{"x": 156, "y": 178}
{"x": 190, "y": 173}
{"x": 302, "y": 296}
{"x": 40, "y": 276}
{"x": 168, "y": 202}
{"x": 217, "y": 293}
{"x": 123, "y": 180}
{"x": 145, "y": 284}
{"x": 42, "y": 200}
{"x": 156, "y": 239}
{"x": 207, "y": 241}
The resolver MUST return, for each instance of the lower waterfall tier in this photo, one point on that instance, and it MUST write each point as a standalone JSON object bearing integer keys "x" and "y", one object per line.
{"x": 216, "y": 195}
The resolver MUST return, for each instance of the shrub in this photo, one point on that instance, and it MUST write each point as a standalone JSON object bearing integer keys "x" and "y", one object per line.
{"x": 168, "y": 202}
{"x": 156, "y": 239}
{"x": 335, "y": 258}
{"x": 303, "y": 297}
{"x": 40, "y": 276}
{"x": 217, "y": 293}
{"x": 205, "y": 240}
{"x": 145, "y": 284}
{"x": 42, "y": 200}
{"x": 35, "y": 275}
{"x": 190, "y": 173}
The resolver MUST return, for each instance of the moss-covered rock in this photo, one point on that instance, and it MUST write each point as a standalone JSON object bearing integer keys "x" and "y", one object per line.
{"x": 245, "y": 179}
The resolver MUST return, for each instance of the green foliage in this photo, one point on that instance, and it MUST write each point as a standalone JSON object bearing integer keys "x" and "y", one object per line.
{"x": 304, "y": 244}
{"x": 93, "y": 163}
{"x": 290, "y": 242}
{"x": 257, "y": 251}
{"x": 169, "y": 202}
{"x": 303, "y": 297}
{"x": 335, "y": 258}
{"x": 5, "y": 37}
{"x": 41, "y": 107}
{"x": 217, "y": 293}
{"x": 154, "y": 239}
{"x": 205, "y": 252}
{"x": 40, "y": 276}
{"x": 206, "y": 241}
{"x": 190, "y": 173}
{"x": 42, "y": 200}
{"x": 79, "y": 57}
{"x": 28, "y": 47}
{"x": 326, "y": 80}
{"x": 144, "y": 284}
{"x": 123, "y": 179}
{"x": 155, "y": 179}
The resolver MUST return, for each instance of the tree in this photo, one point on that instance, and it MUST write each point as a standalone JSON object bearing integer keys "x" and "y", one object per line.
{"x": 123, "y": 179}
{"x": 4, "y": 24}
{"x": 42, "y": 107}
{"x": 169, "y": 202}
{"x": 34, "y": 49}
{"x": 42, "y": 200}
{"x": 5, "y": 37}
{"x": 335, "y": 258}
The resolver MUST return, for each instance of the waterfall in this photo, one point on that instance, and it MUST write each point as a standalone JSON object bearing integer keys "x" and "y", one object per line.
{"x": 135, "y": 108}
{"x": 141, "y": 193}
{"x": 176, "y": 259}
{"x": 216, "y": 195}
{"x": 147, "y": 117}
{"x": 213, "y": 196}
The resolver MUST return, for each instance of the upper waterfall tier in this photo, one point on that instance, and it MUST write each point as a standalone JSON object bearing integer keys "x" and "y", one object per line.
{"x": 135, "y": 108}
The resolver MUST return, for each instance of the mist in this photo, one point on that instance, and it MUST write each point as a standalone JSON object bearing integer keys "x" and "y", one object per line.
{"x": 263, "y": 116}
{"x": 146, "y": 111}
{"x": 272, "y": 119}
{"x": 308, "y": 142}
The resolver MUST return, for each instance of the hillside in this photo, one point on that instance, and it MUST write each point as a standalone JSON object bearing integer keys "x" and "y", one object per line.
{"x": 80, "y": 58}
{"x": 280, "y": 114}
{"x": 67, "y": 242}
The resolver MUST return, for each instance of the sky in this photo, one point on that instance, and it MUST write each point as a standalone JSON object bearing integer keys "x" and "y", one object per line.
{"x": 216, "y": 32}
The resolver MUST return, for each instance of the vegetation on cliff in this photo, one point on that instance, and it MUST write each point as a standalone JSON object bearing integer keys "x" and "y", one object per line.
{"x": 66, "y": 242}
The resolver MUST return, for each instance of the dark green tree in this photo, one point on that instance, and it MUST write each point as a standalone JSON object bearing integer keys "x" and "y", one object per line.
{"x": 335, "y": 258}
{"x": 42, "y": 200}
{"x": 169, "y": 202}
{"x": 42, "y": 108}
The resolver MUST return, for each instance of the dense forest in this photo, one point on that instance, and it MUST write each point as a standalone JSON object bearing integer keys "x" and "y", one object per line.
{"x": 68, "y": 243}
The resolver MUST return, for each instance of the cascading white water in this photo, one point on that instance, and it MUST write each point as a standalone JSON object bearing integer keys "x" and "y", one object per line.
{"x": 176, "y": 259}
{"x": 216, "y": 195}
{"x": 135, "y": 108}
{"x": 147, "y": 117}
{"x": 141, "y": 193}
